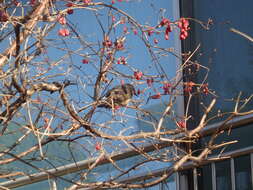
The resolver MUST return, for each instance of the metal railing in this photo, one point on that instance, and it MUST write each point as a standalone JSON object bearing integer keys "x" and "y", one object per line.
{"x": 82, "y": 165}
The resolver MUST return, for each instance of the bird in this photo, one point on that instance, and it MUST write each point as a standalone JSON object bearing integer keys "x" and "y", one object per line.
{"x": 119, "y": 96}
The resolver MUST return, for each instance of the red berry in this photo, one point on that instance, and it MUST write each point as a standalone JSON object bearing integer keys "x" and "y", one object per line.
{"x": 86, "y": 1}
{"x": 138, "y": 75}
{"x": 205, "y": 88}
{"x": 179, "y": 24}
{"x": 184, "y": 32}
{"x": 156, "y": 96}
{"x": 135, "y": 31}
{"x": 166, "y": 88}
{"x": 63, "y": 32}
{"x": 156, "y": 41}
{"x": 182, "y": 37}
{"x": 168, "y": 29}
{"x": 119, "y": 45}
{"x": 113, "y": 18}
{"x": 98, "y": 146}
{"x": 121, "y": 60}
{"x": 70, "y": 11}
{"x": 150, "y": 32}
{"x": 181, "y": 124}
{"x": 107, "y": 42}
{"x": 185, "y": 23}
{"x": 164, "y": 21}
{"x": 85, "y": 61}
{"x": 188, "y": 86}
{"x": 166, "y": 36}
{"x": 62, "y": 20}
{"x": 46, "y": 120}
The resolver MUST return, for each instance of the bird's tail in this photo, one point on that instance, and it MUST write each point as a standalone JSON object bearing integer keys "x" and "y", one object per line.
{"x": 104, "y": 105}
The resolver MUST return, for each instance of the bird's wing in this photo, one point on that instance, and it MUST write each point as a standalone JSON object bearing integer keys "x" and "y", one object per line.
{"x": 118, "y": 96}
{"x": 114, "y": 92}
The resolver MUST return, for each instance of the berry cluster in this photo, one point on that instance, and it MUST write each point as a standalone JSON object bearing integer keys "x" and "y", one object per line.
{"x": 63, "y": 31}
{"x": 165, "y": 22}
{"x": 188, "y": 86}
{"x": 205, "y": 88}
{"x": 138, "y": 75}
{"x": 183, "y": 24}
{"x": 121, "y": 61}
{"x": 107, "y": 42}
{"x": 166, "y": 88}
{"x": 119, "y": 44}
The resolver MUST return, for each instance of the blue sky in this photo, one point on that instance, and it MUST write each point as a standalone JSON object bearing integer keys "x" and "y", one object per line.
{"x": 146, "y": 12}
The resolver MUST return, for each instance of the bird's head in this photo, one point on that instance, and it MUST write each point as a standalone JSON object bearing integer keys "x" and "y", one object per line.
{"x": 129, "y": 89}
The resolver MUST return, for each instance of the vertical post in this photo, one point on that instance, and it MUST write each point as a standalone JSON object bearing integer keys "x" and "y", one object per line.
{"x": 177, "y": 45}
{"x": 213, "y": 176}
{"x": 251, "y": 167}
{"x": 232, "y": 170}
{"x": 183, "y": 181}
{"x": 177, "y": 181}
{"x": 195, "y": 179}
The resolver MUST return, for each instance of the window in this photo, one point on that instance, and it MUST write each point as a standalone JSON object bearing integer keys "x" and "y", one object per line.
{"x": 226, "y": 58}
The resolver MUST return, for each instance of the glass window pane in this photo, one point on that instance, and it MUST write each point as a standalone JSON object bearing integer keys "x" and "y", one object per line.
{"x": 242, "y": 134}
{"x": 226, "y": 54}
{"x": 169, "y": 184}
{"x": 205, "y": 177}
{"x": 243, "y": 173}
{"x": 186, "y": 180}
{"x": 223, "y": 176}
